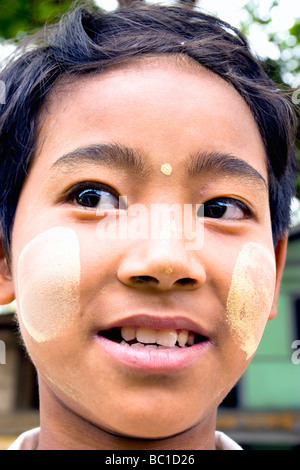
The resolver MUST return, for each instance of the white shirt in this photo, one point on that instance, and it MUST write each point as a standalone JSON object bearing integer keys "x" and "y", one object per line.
{"x": 29, "y": 441}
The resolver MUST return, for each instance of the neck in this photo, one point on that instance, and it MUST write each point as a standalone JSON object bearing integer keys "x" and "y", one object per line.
{"x": 63, "y": 429}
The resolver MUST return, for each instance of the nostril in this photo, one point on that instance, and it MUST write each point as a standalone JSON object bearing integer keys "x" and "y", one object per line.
{"x": 186, "y": 281}
{"x": 183, "y": 282}
{"x": 144, "y": 279}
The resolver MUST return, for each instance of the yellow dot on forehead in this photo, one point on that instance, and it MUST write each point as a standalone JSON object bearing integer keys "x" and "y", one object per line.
{"x": 166, "y": 169}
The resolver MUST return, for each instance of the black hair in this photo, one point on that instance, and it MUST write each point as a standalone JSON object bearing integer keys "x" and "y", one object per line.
{"x": 90, "y": 41}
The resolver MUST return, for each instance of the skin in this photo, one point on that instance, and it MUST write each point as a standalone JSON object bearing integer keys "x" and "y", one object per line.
{"x": 90, "y": 398}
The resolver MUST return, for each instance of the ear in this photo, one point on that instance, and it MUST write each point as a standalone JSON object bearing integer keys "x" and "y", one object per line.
{"x": 280, "y": 257}
{"x": 6, "y": 284}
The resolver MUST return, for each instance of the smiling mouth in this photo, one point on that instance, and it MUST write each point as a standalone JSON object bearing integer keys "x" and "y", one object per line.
{"x": 135, "y": 337}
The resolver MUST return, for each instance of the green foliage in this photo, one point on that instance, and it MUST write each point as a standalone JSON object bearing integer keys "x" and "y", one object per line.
{"x": 18, "y": 17}
{"x": 288, "y": 64}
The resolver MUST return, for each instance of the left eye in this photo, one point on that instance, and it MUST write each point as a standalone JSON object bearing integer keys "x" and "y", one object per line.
{"x": 94, "y": 197}
{"x": 226, "y": 208}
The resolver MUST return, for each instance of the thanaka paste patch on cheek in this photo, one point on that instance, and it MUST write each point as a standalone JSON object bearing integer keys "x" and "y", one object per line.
{"x": 251, "y": 296}
{"x": 49, "y": 283}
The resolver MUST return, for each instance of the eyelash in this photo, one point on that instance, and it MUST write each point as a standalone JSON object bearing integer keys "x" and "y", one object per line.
{"x": 218, "y": 202}
{"x": 236, "y": 203}
{"x": 74, "y": 192}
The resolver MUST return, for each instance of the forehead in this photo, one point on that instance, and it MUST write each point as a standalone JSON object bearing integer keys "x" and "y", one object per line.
{"x": 155, "y": 102}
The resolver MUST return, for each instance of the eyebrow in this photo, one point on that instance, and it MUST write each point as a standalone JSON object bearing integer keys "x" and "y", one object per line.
{"x": 220, "y": 164}
{"x": 111, "y": 155}
{"x": 118, "y": 156}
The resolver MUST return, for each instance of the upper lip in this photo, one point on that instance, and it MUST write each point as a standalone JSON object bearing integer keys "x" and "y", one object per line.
{"x": 156, "y": 322}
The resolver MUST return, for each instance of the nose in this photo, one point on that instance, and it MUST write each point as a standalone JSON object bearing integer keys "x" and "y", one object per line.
{"x": 163, "y": 265}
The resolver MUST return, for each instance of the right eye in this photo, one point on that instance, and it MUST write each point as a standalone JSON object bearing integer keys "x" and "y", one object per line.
{"x": 95, "y": 196}
{"x": 91, "y": 198}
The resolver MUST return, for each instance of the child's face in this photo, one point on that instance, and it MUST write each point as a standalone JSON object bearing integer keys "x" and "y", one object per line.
{"x": 72, "y": 283}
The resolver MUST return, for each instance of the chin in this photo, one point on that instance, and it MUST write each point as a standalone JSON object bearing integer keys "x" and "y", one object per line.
{"x": 149, "y": 432}
{"x": 150, "y": 425}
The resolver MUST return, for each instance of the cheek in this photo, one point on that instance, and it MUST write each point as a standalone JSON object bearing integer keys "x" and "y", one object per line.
{"x": 251, "y": 296}
{"x": 48, "y": 288}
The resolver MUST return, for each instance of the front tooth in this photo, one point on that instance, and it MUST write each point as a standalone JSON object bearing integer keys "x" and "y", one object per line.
{"x": 182, "y": 338}
{"x": 137, "y": 345}
{"x": 128, "y": 333}
{"x": 191, "y": 339}
{"x": 167, "y": 338}
{"x": 146, "y": 335}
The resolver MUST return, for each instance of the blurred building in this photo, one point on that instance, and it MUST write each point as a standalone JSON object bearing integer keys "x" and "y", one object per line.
{"x": 18, "y": 385}
{"x": 263, "y": 410}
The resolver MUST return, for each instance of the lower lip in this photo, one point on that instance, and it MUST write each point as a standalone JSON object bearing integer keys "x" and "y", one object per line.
{"x": 153, "y": 359}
